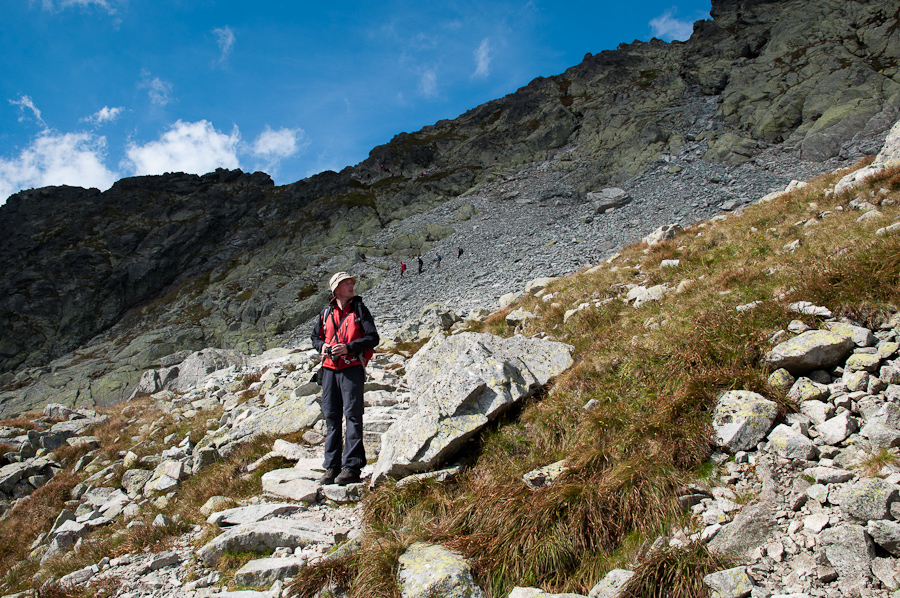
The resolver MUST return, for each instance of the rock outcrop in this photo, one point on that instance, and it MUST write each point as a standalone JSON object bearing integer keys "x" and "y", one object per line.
{"x": 460, "y": 383}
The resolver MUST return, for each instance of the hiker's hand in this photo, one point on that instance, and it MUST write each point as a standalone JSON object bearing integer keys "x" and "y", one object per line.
{"x": 339, "y": 349}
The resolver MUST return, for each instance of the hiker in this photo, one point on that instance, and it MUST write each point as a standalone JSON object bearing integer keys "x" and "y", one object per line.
{"x": 421, "y": 263}
{"x": 458, "y": 252}
{"x": 438, "y": 260}
{"x": 345, "y": 337}
{"x": 402, "y": 268}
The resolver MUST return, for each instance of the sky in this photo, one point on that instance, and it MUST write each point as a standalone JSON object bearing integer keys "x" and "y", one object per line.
{"x": 93, "y": 91}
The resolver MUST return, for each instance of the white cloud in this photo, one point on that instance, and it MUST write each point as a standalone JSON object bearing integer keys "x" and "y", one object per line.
{"x": 159, "y": 90}
{"x": 667, "y": 27}
{"x": 282, "y": 143}
{"x": 483, "y": 59}
{"x": 104, "y": 115}
{"x": 186, "y": 147}
{"x": 62, "y": 4}
{"x": 428, "y": 82}
{"x": 225, "y": 39}
{"x": 423, "y": 41}
{"x": 26, "y": 102}
{"x": 57, "y": 159}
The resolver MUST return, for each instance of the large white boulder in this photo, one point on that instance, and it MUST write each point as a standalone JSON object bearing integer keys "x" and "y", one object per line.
{"x": 460, "y": 383}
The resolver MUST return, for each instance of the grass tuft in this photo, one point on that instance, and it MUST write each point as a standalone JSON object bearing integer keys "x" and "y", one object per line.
{"x": 674, "y": 573}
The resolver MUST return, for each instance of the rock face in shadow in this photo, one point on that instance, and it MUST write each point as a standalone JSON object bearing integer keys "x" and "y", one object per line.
{"x": 98, "y": 287}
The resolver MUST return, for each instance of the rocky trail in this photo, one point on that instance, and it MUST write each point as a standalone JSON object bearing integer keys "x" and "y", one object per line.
{"x": 528, "y": 224}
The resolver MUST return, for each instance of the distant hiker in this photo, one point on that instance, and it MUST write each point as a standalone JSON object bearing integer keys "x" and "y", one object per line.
{"x": 438, "y": 260}
{"x": 402, "y": 268}
{"x": 421, "y": 263}
{"x": 345, "y": 337}
{"x": 458, "y": 252}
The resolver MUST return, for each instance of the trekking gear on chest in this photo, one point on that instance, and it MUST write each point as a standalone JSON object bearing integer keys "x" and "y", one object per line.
{"x": 344, "y": 326}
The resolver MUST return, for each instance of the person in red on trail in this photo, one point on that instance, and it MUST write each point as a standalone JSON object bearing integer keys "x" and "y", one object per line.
{"x": 345, "y": 336}
{"x": 402, "y": 268}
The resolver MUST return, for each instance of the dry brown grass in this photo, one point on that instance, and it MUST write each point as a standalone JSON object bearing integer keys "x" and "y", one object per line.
{"x": 338, "y": 573}
{"x": 674, "y": 573}
{"x": 31, "y": 516}
{"x": 655, "y": 389}
{"x": 25, "y": 422}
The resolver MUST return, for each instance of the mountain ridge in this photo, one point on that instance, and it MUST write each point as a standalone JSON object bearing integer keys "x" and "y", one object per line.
{"x": 814, "y": 83}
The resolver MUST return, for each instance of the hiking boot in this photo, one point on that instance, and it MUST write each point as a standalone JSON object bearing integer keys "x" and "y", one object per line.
{"x": 328, "y": 478}
{"x": 347, "y": 476}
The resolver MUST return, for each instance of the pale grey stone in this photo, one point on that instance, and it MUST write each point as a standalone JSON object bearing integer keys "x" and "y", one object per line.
{"x": 730, "y": 583}
{"x": 544, "y": 476}
{"x": 259, "y": 536}
{"x": 215, "y": 504}
{"x": 534, "y": 285}
{"x": 79, "y": 577}
{"x": 288, "y": 416}
{"x": 837, "y": 429}
{"x": 850, "y": 551}
{"x": 261, "y": 572}
{"x": 880, "y": 436}
{"x": 855, "y": 381}
{"x": 10, "y": 476}
{"x": 460, "y": 383}
{"x": 161, "y": 521}
{"x": 508, "y": 299}
{"x": 868, "y": 499}
{"x": 886, "y": 534}
{"x": 813, "y": 350}
{"x": 428, "y": 570}
{"x": 438, "y": 476}
{"x": 810, "y": 309}
{"x": 159, "y": 484}
{"x": 519, "y": 316}
{"x": 252, "y": 513}
{"x": 343, "y": 494}
{"x": 293, "y": 484}
{"x": 609, "y": 198}
{"x": 798, "y": 327}
{"x": 752, "y": 527}
{"x": 815, "y": 523}
{"x": 861, "y": 337}
{"x": 64, "y": 515}
{"x": 663, "y": 233}
{"x": 781, "y": 378}
{"x": 289, "y": 450}
{"x": 611, "y": 584}
{"x": 805, "y": 389}
{"x": 639, "y": 295}
{"x": 863, "y": 362}
{"x": 817, "y": 411}
{"x": 888, "y": 414}
{"x": 790, "y": 444}
{"x": 742, "y": 419}
{"x": 886, "y": 570}
{"x": 204, "y": 457}
{"x": 167, "y": 558}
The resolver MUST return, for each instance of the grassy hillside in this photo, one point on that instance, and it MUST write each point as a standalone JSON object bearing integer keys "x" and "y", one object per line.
{"x": 652, "y": 372}
{"x": 655, "y": 372}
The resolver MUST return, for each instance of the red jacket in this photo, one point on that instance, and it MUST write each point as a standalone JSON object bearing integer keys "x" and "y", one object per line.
{"x": 353, "y": 326}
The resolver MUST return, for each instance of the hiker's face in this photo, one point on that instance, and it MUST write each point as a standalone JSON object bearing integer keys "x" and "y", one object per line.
{"x": 344, "y": 290}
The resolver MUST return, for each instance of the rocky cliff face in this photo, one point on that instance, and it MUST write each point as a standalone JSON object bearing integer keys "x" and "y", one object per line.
{"x": 100, "y": 286}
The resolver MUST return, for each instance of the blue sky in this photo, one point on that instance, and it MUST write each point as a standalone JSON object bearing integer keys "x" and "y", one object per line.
{"x": 97, "y": 90}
